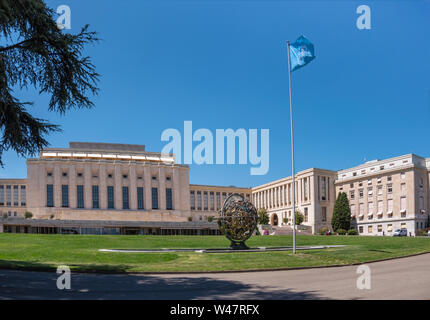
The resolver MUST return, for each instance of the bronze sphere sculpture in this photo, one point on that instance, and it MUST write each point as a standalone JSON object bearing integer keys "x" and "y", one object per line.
{"x": 238, "y": 220}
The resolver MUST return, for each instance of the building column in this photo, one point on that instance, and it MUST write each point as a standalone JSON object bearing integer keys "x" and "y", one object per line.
{"x": 133, "y": 187}
{"x": 88, "y": 199}
{"x": 72, "y": 186}
{"x": 147, "y": 188}
{"x": 118, "y": 187}
{"x": 57, "y": 187}
{"x": 176, "y": 190}
{"x": 102, "y": 187}
{"x": 162, "y": 188}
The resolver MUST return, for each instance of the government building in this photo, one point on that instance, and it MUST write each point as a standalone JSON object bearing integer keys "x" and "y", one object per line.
{"x": 103, "y": 188}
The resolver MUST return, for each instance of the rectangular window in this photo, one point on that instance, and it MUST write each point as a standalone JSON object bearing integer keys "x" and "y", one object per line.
{"x": 379, "y": 190}
{"x": 111, "y": 197}
{"x": 351, "y": 195}
{"x": 361, "y": 208}
{"x": 23, "y": 196}
{"x": 390, "y": 188}
{"x": 125, "y": 200}
{"x": 352, "y": 210}
{"x": 390, "y": 228}
{"x": 323, "y": 214}
{"x": 8, "y": 196}
{"x": 379, "y": 206}
{"x": 95, "y": 190}
{"x": 49, "y": 195}
{"x": 379, "y": 227}
{"x": 403, "y": 225}
{"x": 15, "y": 195}
{"x": 192, "y": 200}
{"x": 212, "y": 201}
{"x": 323, "y": 188}
{"x": 80, "y": 194}
{"x": 370, "y": 208}
{"x": 403, "y": 188}
{"x": 1, "y": 195}
{"x": 169, "y": 202}
{"x": 64, "y": 195}
{"x": 218, "y": 200}
{"x": 360, "y": 229}
{"x": 360, "y": 193}
{"x": 154, "y": 198}
{"x": 199, "y": 200}
{"x": 421, "y": 204}
{"x": 403, "y": 204}
{"x": 390, "y": 206}
{"x": 205, "y": 200}
{"x": 306, "y": 189}
{"x": 306, "y": 215}
{"x": 369, "y": 229}
{"x": 402, "y": 175}
{"x": 140, "y": 198}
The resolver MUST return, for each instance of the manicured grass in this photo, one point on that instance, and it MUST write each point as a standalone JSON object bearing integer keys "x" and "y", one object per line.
{"x": 81, "y": 253}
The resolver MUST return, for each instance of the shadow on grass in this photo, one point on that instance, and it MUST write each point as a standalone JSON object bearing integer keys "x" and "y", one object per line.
{"x": 50, "y": 267}
{"x": 42, "y": 285}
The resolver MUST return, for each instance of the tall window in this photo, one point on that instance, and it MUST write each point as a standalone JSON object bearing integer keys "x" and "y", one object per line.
{"x": 205, "y": 200}
{"x": 390, "y": 206}
{"x": 96, "y": 204}
{"x": 80, "y": 194}
{"x": 125, "y": 200}
{"x": 154, "y": 198}
{"x": 306, "y": 215}
{"x": 352, "y": 210}
{"x": 140, "y": 198}
{"x": 23, "y": 196}
{"x": 323, "y": 188}
{"x": 306, "y": 188}
{"x": 192, "y": 200}
{"x": 15, "y": 195}
{"x": 324, "y": 214}
{"x": 1, "y": 195}
{"x": 370, "y": 208}
{"x": 64, "y": 195}
{"x": 379, "y": 206}
{"x": 212, "y": 200}
{"x": 218, "y": 200}
{"x": 169, "y": 205}
{"x": 199, "y": 200}
{"x": 351, "y": 195}
{"x": 49, "y": 195}
{"x": 403, "y": 204}
{"x": 111, "y": 197}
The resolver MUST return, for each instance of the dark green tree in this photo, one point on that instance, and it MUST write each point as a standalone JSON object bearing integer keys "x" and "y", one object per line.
{"x": 299, "y": 217}
{"x": 341, "y": 218}
{"x": 263, "y": 217}
{"x": 35, "y": 53}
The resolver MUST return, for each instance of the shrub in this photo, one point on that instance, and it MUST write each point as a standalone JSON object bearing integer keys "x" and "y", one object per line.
{"x": 28, "y": 215}
{"x": 210, "y": 219}
{"x": 285, "y": 220}
{"x": 299, "y": 218}
{"x": 263, "y": 217}
{"x": 352, "y": 232}
{"x": 323, "y": 231}
{"x": 341, "y": 231}
{"x": 51, "y": 216}
{"x": 190, "y": 219}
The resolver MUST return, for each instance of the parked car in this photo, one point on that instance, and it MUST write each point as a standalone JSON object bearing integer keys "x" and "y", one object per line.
{"x": 400, "y": 233}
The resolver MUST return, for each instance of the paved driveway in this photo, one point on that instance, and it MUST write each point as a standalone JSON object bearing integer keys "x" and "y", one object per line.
{"x": 406, "y": 278}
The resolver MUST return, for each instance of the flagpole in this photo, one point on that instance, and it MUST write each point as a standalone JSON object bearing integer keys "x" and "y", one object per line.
{"x": 292, "y": 150}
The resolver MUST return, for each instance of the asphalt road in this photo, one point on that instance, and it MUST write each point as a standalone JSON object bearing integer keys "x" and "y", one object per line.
{"x": 406, "y": 278}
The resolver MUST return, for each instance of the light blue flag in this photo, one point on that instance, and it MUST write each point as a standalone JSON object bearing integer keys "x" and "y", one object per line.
{"x": 301, "y": 53}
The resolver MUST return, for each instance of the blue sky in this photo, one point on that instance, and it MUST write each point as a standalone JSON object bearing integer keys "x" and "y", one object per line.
{"x": 222, "y": 64}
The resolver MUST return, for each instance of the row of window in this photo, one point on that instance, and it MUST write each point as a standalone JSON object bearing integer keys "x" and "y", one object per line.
{"x": 14, "y": 191}
{"x": 379, "y": 228}
{"x": 380, "y": 210}
{"x": 110, "y": 197}
{"x": 109, "y": 175}
{"x": 205, "y": 200}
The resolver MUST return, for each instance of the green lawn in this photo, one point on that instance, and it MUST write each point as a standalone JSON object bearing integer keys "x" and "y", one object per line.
{"x": 81, "y": 252}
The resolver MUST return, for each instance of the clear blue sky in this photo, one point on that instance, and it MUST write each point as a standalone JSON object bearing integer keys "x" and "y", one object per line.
{"x": 222, "y": 64}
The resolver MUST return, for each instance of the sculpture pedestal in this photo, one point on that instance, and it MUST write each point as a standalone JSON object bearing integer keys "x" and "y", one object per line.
{"x": 238, "y": 246}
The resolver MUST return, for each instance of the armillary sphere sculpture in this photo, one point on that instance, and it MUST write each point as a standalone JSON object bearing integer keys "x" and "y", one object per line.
{"x": 238, "y": 220}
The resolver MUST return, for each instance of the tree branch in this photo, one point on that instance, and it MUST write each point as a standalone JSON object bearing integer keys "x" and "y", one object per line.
{"x": 16, "y": 45}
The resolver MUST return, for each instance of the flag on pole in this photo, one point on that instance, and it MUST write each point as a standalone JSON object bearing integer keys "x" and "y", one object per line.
{"x": 301, "y": 53}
